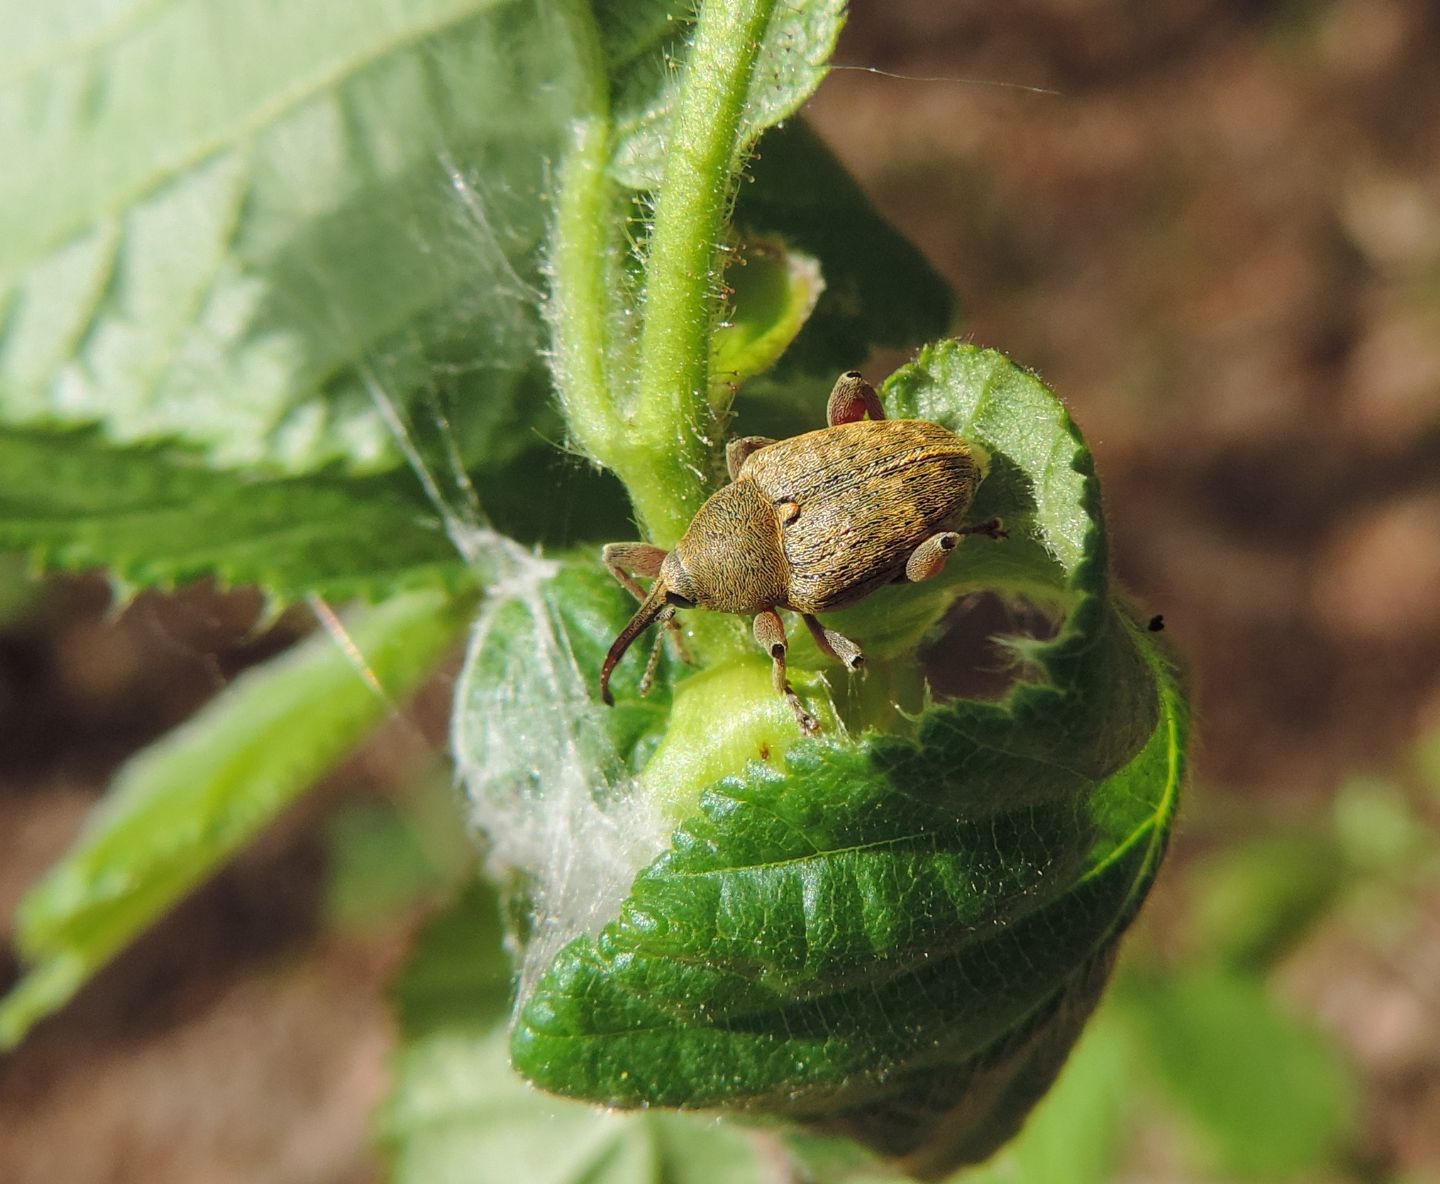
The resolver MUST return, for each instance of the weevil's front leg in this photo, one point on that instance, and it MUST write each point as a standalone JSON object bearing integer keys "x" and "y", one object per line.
{"x": 737, "y": 451}
{"x": 648, "y": 680}
{"x": 628, "y": 560}
{"x": 928, "y": 559}
{"x": 852, "y": 398}
{"x": 836, "y": 645}
{"x": 770, "y": 633}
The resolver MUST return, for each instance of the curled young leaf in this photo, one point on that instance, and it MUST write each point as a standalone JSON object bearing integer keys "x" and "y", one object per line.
{"x": 895, "y": 934}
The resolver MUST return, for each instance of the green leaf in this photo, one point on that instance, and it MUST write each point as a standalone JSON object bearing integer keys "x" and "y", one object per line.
{"x": 260, "y": 270}
{"x": 155, "y": 516}
{"x": 879, "y": 290}
{"x": 773, "y": 291}
{"x": 456, "y": 1113}
{"x": 191, "y": 800}
{"x": 1256, "y": 901}
{"x": 258, "y": 275}
{"x": 392, "y": 854}
{"x": 1271, "y": 1093}
{"x": 644, "y": 38}
{"x": 895, "y": 936}
{"x": 283, "y": 210}
{"x": 1075, "y": 1134}
{"x": 535, "y": 633}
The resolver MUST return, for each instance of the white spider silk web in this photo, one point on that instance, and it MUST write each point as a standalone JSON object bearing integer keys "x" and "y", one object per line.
{"x": 554, "y": 803}
{"x": 545, "y": 783}
{"x": 556, "y": 807}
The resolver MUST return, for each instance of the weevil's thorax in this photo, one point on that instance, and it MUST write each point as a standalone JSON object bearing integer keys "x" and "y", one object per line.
{"x": 731, "y": 559}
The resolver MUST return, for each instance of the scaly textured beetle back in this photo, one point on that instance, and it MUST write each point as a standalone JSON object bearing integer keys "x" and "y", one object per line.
{"x": 867, "y": 493}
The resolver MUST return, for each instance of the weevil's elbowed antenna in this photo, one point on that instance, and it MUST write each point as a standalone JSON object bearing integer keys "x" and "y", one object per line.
{"x": 653, "y": 609}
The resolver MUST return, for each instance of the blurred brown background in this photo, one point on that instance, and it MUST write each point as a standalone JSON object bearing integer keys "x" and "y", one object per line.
{"x": 1219, "y": 241}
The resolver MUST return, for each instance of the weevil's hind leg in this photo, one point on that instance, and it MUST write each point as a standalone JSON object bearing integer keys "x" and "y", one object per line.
{"x": 836, "y": 645}
{"x": 770, "y": 633}
{"x": 928, "y": 559}
{"x": 852, "y": 398}
{"x": 628, "y": 560}
{"x": 737, "y": 451}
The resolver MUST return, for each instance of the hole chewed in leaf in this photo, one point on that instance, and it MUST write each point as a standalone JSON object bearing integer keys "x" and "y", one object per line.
{"x": 984, "y": 645}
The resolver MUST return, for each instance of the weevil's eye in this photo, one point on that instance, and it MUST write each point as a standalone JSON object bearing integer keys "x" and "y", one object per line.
{"x": 678, "y": 601}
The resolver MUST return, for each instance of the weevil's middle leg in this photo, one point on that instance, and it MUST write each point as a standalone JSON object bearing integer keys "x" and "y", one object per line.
{"x": 770, "y": 633}
{"x": 739, "y": 450}
{"x": 628, "y": 560}
{"x": 852, "y": 398}
{"x": 836, "y": 645}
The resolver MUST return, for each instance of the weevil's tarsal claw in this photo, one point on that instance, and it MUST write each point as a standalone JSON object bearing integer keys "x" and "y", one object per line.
{"x": 808, "y": 723}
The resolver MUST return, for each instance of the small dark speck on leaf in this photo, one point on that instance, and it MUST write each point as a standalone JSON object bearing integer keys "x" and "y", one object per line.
{"x": 764, "y": 751}
{"x": 1156, "y": 623}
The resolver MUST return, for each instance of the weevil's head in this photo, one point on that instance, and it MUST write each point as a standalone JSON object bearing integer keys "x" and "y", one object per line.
{"x": 681, "y": 589}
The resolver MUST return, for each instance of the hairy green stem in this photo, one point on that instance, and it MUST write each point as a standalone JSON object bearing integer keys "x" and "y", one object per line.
{"x": 654, "y": 427}
{"x": 673, "y": 427}
{"x": 661, "y": 442}
{"x": 582, "y": 252}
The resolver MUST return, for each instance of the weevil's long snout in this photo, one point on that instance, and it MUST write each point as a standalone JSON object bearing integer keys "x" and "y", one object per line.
{"x": 653, "y": 608}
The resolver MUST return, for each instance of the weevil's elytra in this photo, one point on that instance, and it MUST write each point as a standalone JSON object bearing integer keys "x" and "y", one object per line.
{"x": 866, "y": 495}
{"x": 809, "y": 524}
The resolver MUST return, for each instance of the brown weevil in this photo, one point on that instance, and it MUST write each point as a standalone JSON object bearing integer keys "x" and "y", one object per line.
{"x": 809, "y": 524}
